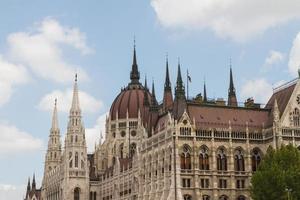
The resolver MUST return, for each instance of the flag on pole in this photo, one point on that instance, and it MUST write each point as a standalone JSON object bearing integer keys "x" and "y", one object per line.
{"x": 189, "y": 77}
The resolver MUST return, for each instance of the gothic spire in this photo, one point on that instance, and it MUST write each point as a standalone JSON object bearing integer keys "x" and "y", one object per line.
{"x": 54, "y": 118}
{"x": 134, "y": 74}
{"x": 146, "y": 99}
{"x": 204, "y": 93}
{"x": 231, "y": 85}
{"x": 28, "y": 185}
{"x": 153, "y": 96}
{"x": 179, "y": 90}
{"x": 33, "y": 182}
{"x": 232, "y": 101}
{"x": 75, "y": 101}
{"x": 167, "y": 81}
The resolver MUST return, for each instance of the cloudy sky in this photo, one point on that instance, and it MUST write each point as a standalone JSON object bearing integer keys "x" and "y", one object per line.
{"x": 44, "y": 43}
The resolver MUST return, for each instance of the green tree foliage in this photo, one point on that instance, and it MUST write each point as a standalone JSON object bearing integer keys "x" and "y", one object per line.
{"x": 278, "y": 172}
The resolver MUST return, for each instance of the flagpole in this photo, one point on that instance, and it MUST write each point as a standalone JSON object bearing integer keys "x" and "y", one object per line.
{"x": 187, "y": 84}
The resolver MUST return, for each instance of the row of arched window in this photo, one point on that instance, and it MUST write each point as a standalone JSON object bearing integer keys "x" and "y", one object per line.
{"x": 206, "y": 197}
{"x": 221, "y": 158}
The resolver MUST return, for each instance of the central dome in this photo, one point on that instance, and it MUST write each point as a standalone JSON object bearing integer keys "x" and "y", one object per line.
{"x": 131, "y": 98}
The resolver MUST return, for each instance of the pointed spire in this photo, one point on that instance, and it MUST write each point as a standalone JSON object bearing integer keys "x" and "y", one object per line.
{"x": 33, "y": 182}
{"x": 145, "y": 85}
{"x": 204, "y": 92}
{"x": 75, "y": 100}
{"x": 54, "y": 117}
{"x": 28, "y": 185}
{"x": 232, "y": 101}
{"x": 146, "y": 99}
{"x": 167, "y": 81}
{"x": 179, "y": 90}
{"x": 153, "y": 96}
{"x": 231, "y": 85}
{"x": 134, "y": 74}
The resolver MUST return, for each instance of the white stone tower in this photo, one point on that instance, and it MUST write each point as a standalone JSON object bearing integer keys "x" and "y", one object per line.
{"x": 53, "y": 155}
{"x": 76, "y": 172}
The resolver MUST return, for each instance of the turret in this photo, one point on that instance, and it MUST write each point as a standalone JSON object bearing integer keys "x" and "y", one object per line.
{"x": 168, "y": 98}
{"x": 53, "y": 155}
{"x": 76, "y": 172}
{"x": 154, "y": 105}
{"x": 180, "y": 99}
{"x": 232, "y": 101}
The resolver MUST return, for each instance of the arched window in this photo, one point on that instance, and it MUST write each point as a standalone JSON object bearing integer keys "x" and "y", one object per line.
{"x": 187, "y": 197}
{"x": 255, "y": 159}
{"x": 221, "y": 160}
{"x": 77, "y": 193}
{"x": 95, "y": 195}
{"x": 239, "y": 163}
{"x": 76, "y": 138}
{"x": 132, "y": 149}
{"x": 121, "y": 150}
{"x": 185, "y": 158}
{"x": 206, "y": 197}
{"x": 203, "y": 159}
{"x": 295, "y": 117}
{"x": 76, "y": 159}
{"x": 241, "y": 197}
{"x": 223, "y": 197}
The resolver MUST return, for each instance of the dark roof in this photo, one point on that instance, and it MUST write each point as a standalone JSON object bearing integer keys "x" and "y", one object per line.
{"x": 207, "y": 116}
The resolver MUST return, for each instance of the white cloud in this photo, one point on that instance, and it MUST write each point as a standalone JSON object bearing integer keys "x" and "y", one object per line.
{"x": 11, "y": 75}
{"x": 13, "y": 140}
{"x": 235, "y": 19}
{"x": 294, "y": 57}
{"x": 274, "y": 58}
{"x": 42, "y": 50}
{"x": 260, "y": 89}
{"x": 12, "y": 192}
{"x": 93, "y": 134}
{"x": 64, "y": 100}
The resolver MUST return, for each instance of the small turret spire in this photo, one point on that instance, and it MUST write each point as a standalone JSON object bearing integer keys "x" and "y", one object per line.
{"x": 204, "y": 92}
{"x": 179, "y": 90}
{"x": 75, "y": 100}
{"x": 153, "y": 96}
{"x": 28, "y": 185}
{"x": 146, "y": 99}
{"x": 134, "y": 74}
{"x": 33, "y": 182}
{"x": 232, "y": 101}
{"x": 167, "y": 81}
{"x": 54, "y": 117}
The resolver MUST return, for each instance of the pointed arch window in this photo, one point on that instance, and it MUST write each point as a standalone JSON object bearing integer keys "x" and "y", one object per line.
{"x": 295, "y": 117}
{"x": 77, "y": 193}
{"x": 255, "y": 159}
{"x": 121, "y": 150}
{"x": 241, "y": 197}
{"x": 70, "y": 160}
{"x": 239, "y": 163}
{"x": 221, "y": 160}
{"x": 76, "y": 159}
{"x": 185, "y": 158}
{"x": 132, "y": 149}
{"x": 187, "y": 197}
{"x": 223, "y": 197}
{"x": 203, "y": 159}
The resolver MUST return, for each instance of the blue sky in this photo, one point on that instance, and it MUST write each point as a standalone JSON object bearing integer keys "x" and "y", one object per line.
{"x": 43, "y": 44}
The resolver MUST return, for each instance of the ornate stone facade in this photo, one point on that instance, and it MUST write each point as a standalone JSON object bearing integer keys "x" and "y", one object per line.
{"x": 180, "y": 149}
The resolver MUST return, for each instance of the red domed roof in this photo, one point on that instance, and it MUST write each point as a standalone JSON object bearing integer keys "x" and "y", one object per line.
{"x": 131, "y": 99}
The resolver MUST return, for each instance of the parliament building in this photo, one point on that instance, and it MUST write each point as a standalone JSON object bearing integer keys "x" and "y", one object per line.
{"x": 176, "y": 149}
